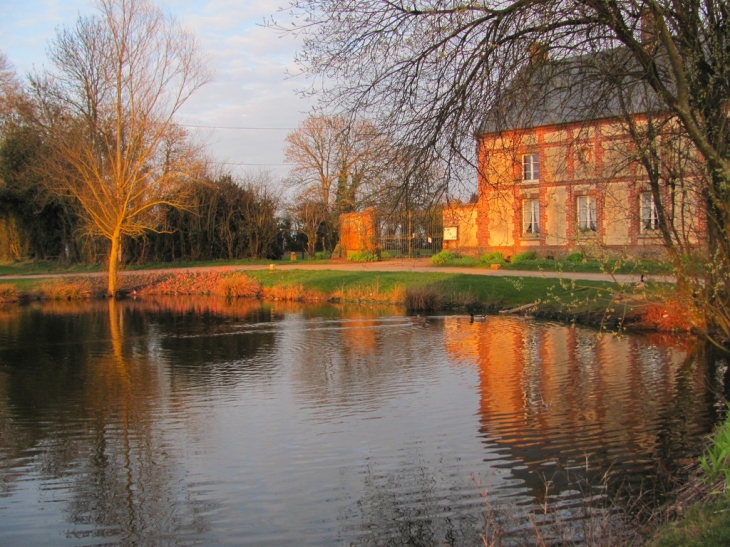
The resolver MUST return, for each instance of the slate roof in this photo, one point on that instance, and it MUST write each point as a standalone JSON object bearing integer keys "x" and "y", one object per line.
{"x": 576, "y": 89}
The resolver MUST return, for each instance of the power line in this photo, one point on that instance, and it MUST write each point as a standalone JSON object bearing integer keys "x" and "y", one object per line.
{"x": 236, "y": 163}
{"x": 239, "y": 127}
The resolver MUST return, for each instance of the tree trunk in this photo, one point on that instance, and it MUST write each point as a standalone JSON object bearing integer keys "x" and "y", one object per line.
{"x": 112, "y": 286}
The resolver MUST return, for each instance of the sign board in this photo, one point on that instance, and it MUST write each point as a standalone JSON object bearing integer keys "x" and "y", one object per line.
{"x": 451, "y": 233}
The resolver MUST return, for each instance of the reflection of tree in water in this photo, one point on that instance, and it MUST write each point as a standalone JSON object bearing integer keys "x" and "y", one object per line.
{"x": 129, "y": 487}
{"x": 413, "y": 506}
{"x": 212, "y": 341}
{"x": 82, "y": 402}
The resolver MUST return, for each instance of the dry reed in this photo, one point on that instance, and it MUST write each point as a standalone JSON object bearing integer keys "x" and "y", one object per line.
{"x": 423, "y": 298}
{"x": 213, "y": 283}
{"x": 66, "y": 289}
{"x": 9, "y": 293}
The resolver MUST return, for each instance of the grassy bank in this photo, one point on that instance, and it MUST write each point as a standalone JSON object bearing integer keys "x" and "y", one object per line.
{"x": 588, "y": 302}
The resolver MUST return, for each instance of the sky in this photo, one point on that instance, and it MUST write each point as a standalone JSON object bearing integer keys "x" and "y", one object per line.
{"x": 250, "y": 105}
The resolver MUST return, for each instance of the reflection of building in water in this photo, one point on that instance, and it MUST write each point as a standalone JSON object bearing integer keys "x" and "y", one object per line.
{"x": 556, "y": 394}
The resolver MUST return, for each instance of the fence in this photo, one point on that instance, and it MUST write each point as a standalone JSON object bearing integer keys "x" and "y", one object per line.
{"x": 399, "y": 233}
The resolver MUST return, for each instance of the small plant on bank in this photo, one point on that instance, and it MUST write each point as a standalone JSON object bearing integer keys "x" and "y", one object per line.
{"x": 444, "y": 257}
{"x": 320, "y": 256}
{"x": 9, "y": 293}
{"x": 575, "y": 257}
{"x": 466, "y": 261}
{"x": 234, "y": 284}
{"x": 493, "y": 258}
{"x": 363, "y": 256}
{"x": 66, "y": 289}
{"x": 716, "y": 460}
{"x": 423, "y": 298}
{"x": 525, "y": 257}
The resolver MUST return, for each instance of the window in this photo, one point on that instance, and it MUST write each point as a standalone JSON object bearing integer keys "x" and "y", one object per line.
{"x": 587, "y": 214}
{"x": 530, "y": 216}
{"x": 648, "y": 212}
{"x": 530, "y": 167}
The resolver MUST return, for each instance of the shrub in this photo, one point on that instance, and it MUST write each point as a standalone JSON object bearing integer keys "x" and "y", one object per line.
{"x": 385, "y": 255}
{"x": 444, "y": 257}
{"x": 363, "y": 256}
{"x": 526, "y": 256}
{"x": 493, "y": 258}
{"x": 320, "y": 256}
{"x": 234, "y": 284}
{"x": 9, "y": 293}
{"x": 575, "y": 257}
{"x": 464, "y": 261}
{"x": 66, "y": 289}
{"x": 238, "y": 285}
{"x": 422, "y": 298}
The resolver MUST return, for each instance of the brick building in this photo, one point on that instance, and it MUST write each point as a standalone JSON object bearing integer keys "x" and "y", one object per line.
{"x": 562, "y": 174}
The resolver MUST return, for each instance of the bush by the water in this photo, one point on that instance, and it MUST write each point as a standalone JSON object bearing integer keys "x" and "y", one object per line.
{"x": 525, "y": 257}
{"x": 444, "y": 257}
{"x": 363, "y": 256}
{"x": 493, "y": 258}
{"x": 423, "y": 298}
{"x": 8, "y": 293}
{"x": 235, "y": 284}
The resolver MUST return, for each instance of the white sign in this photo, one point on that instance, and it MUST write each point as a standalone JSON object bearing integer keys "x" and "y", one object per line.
{"x": 451, "y": 233}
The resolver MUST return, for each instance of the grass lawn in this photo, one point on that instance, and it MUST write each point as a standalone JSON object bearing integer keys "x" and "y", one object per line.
{"x": 454, "y": 288}
{"x": 588, "y": 266}
{"x": 36, "y": 267}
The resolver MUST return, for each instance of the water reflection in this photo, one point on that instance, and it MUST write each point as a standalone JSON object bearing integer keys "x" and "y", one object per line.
{"x": 557, "y": 401}
{"x": 184, "y": 421}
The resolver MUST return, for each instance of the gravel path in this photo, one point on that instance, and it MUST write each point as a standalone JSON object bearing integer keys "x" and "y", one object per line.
{"x": 400, "y": 265}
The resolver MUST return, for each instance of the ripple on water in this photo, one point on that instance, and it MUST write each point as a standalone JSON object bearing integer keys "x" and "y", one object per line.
{"x": 293, "y": 428}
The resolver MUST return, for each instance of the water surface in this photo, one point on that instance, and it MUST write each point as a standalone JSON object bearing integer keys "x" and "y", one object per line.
{"x": 209, "y": 422}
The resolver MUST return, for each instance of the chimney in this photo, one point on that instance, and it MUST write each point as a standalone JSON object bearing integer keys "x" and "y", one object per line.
{"x": 539, "y": 53}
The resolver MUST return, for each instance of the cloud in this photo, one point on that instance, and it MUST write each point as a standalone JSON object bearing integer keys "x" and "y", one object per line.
{"x": 250, "y": 63}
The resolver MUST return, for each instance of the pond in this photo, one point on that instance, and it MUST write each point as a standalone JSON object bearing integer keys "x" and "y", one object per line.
{"x": 211, "y": 422}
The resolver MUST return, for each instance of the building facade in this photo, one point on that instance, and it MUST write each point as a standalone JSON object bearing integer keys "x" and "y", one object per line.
{"x": 572, "y": 187}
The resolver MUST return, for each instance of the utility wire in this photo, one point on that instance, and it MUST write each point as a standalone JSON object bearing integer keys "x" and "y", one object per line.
{"x": 239, "y": 127}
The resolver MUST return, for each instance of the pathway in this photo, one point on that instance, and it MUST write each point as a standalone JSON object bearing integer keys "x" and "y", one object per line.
{"x": 398, "y": 265}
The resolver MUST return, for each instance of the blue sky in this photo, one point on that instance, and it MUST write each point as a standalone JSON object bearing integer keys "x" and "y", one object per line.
{"x": 250, "y": 88}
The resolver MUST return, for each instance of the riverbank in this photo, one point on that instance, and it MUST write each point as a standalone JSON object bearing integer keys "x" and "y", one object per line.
{"x": 601, "y": 300}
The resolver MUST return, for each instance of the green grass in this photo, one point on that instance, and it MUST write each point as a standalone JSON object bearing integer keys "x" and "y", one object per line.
{"x": 701, "y": 526}
{"x": 490, "y": 290}
{"x": 39, "y": 267}
{"x": 588, "y": 266}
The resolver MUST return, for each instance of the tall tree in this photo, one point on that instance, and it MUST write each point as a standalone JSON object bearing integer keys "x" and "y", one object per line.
{"x": 337, "y": 157}
{"x": 120, "y": 77}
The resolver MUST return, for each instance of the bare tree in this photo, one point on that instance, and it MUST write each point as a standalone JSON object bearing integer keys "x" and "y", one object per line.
{"x": 121, "y": 76}
{"x": 309, "y": 213}
{"x": 338, "y": 157}
{"x": 434, "y": 70}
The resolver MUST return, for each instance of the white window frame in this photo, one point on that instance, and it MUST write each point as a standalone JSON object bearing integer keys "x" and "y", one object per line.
{"x": 587, "y": 213}
{"x": 531, "y": 216}
{"x": 648, "y": 214}
{"x": 531, "y": 167}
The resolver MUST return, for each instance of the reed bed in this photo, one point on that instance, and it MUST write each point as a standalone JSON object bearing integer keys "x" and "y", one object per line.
{"x": 207, "y": 283}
